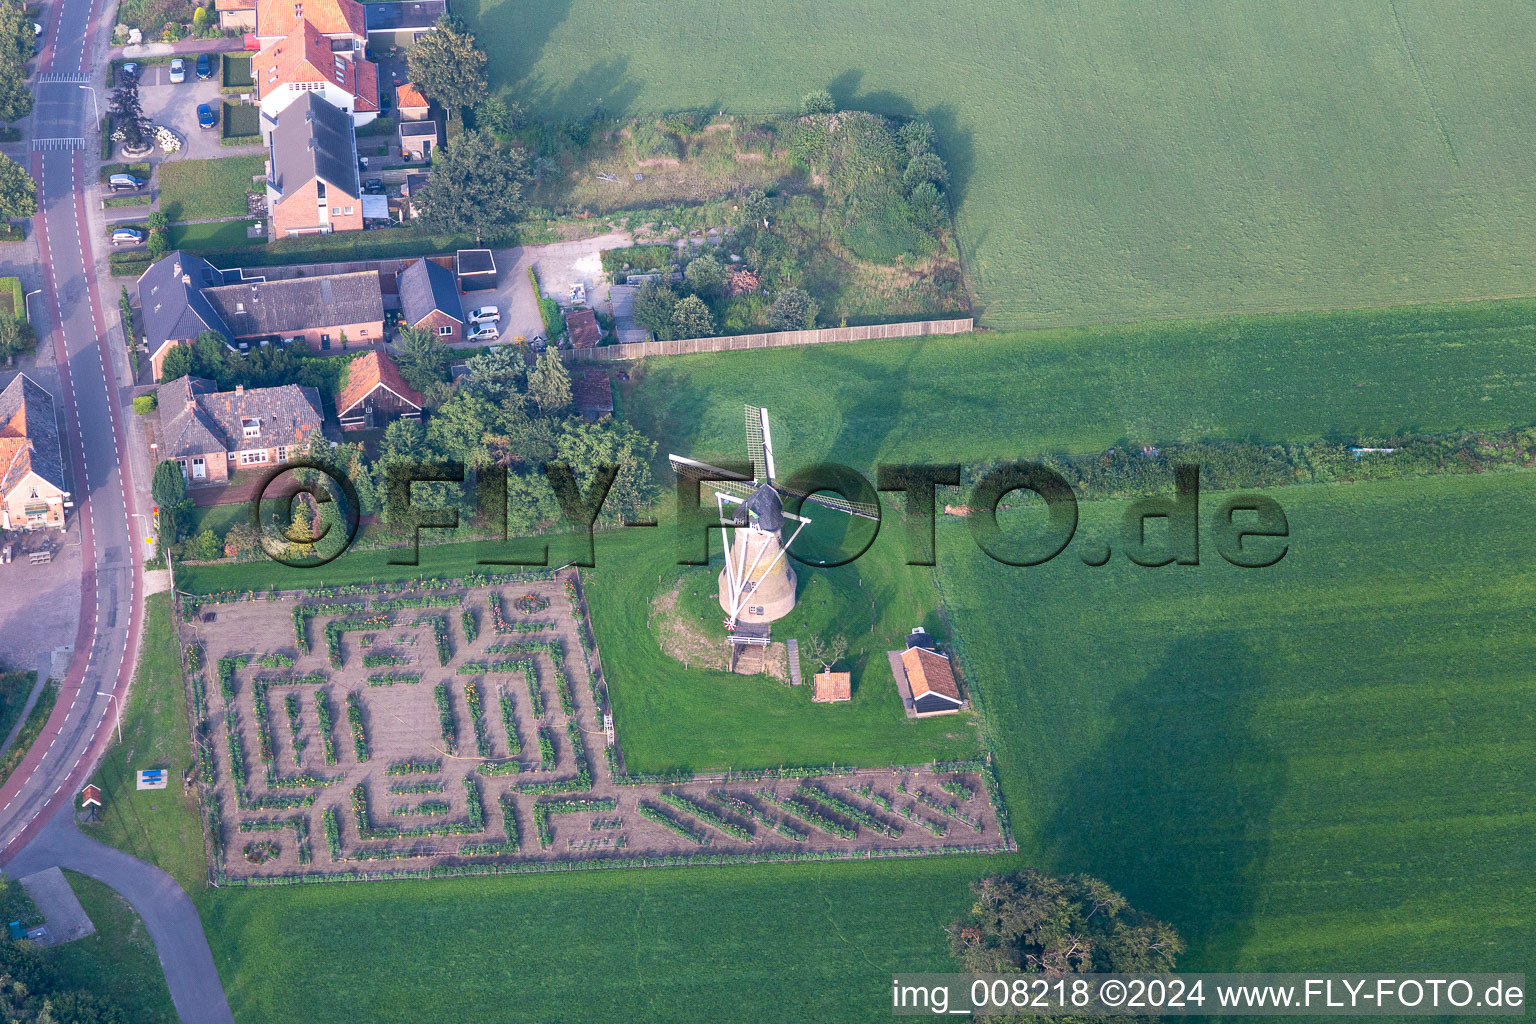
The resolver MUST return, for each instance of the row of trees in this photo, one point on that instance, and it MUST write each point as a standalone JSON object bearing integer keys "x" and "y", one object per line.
{"x": 16, "y": 39}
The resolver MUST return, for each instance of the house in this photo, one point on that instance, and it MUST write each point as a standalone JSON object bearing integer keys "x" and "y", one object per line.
{"x": 339, "y": 21}
{"x": 236, "y": 15}
{"x": 430, "y": 298}
{"x": 303, "y": 63}
{"x": 926, "y": 679}
{"x": 417, "y": 139}
{"x": 401, "y": 22}
{"x": 312, "y": 182}
{"x": 32, "y": 484}
{"x": 325, "y": 310}
{"x": 375, "y": 394}
{"x": 411, "y": 103}
{"x": 183, "y": 296}
{"x": 593, "y": 393}
{"x": 173, "y": 307}
{"x": 581, "y": 325}
{"x": 211, "y": 433}
{"x": 832, "y": 687}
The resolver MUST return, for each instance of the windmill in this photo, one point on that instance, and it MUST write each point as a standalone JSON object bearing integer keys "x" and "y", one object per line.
{"x": 757, "y": 585}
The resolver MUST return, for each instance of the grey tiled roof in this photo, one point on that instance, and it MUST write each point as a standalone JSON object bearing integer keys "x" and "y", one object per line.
{"x": 196, "y": 420}
{"x": 28, "y": 409}
{"x": 257, "y": 308}
{"x": 386, "y": 17}
{"x": 170, "y": 295}
{"x": 313, "y": 139}
{"x": 425, "y": 286}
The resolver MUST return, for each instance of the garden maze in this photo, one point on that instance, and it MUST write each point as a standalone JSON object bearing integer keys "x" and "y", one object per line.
{"x": 456, "y": 727}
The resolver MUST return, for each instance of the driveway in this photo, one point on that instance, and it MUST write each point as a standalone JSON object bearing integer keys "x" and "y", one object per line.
{"x": 176, "y": 107}
{"x": 559, "y": 265}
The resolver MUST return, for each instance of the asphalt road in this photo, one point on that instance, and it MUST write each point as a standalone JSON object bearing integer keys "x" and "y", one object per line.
{"x": 37, "y": 826}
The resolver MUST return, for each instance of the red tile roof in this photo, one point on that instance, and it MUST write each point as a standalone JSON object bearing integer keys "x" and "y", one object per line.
{"x": 305, "y": 55}
{"x": 367, "y": 373}
{"x": 331, "y": 17}
{"x": 833, "y": 686}
{"x": 583, "y": 328}
{"x": 929, "y": 673}
{"x": 408, "y": 96}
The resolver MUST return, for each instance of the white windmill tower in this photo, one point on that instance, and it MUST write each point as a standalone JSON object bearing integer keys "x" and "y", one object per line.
{"x": 757, "y": 585}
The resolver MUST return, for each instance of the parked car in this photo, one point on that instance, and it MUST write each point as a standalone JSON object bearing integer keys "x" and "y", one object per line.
{"x": 486, "y": 332}
{"x": 129, "y": 71}
{"x": 178, "y": 71}
{"x": 485, "y": 314}
{"x": 124, "y": 183}
{"x": 204, "y": 66}
{"x": 204, "y": 116}
{"x": 127, "y": 236}
{"x": 37, "y": 39}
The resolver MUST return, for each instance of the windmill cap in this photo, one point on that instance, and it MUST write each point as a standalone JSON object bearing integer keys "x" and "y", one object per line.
{"x": 766, "y": 505}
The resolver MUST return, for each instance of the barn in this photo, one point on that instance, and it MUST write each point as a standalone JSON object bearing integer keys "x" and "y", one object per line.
{"x": 925, "y": 678}
{"x": 374, "y": 393}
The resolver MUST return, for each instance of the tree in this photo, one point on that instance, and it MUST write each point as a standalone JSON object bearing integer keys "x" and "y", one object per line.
{"x": 15, "y": 30}
{"x": 793, "y": 310}
{"x": 653, "y": 309}
{"x": 818, "y": 102}
{"x": 705, "y": 276}
{"x": 448, "y": 65}
{"x": 1039, "y": 924}
{"x": 916, "y": 137}
{"x": 240, "y": 542}
{"x": 168, "y": 486}
{"x": 586, "y": 446}
{"x": 497, "y": 376}
{"x": 497, "y": 115}
{"x": 206, "y": 546}
{"x": 177, "y": 363}
{"x": 927, "y": 204}
{"x": 754, "y": 209}
{"x": 549, "y": 383}
{"x": 691, "y": 318}
{"x": 17, "y": 336}
{"x": 18, "y": 192}
{"x": 422, "y": 358}
{"x": 925, "y": 167}
{"x": 128, "y": 114}
{"x": 826, "y": 651}
{"x": 476, "y": 185}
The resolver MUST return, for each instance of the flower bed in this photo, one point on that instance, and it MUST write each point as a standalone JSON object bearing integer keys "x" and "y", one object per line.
{"x": 543, "y": 810}
{"x": 392, "y": 678}
{"x": 274, "y": 661}
{"x": 359, "y": 736}
{"x": 263, "y": 715}
{"x": 425, "y": 786}
{"x": 445, "y": 717}
{"x": 670, "y": 823}
{"x": 806, "y": 813}
{"x": 509, "y": 722}
{"x": 704, "y": 814}
{"x": 847, "y": 810}
{"x": 531, "y": 604}
{"x": 414, "y": 768}
{"x": 439, "y": 626}
{"x": 477, "y": 719}
{"x": 261, "y": 850}
{"x": 381, "y": 659}
{"x": 471, "y": 625}
{"x": 295, "y": 724}
{"x": 227, "y": 669}
{"x": 327, "y": 736}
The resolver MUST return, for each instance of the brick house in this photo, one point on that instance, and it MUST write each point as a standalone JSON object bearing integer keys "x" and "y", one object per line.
{"x": 429, "y": 297}
{"x": 183, "y": 296}
{"x": 411, "y": 103}
{"x": 32, "y": 483}
{"x": 212, "y": 433}
{"x": 334, "y": 309}
{"x": 312, "y": 181}
{"x": 375, "y": 394}
{"x": 303, "y": 63}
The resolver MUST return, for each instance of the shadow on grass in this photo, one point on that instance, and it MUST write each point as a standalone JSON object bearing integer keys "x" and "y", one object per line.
{"x": 1173, "y": 806}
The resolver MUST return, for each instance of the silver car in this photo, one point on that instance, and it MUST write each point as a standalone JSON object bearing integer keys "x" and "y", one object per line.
{"x": 178, "y": 71}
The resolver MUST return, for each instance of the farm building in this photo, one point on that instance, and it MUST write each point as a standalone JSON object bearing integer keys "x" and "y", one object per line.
{"x": 581, "y": 324}
{"x": 832, "y": 687}
{"x": 375, "y": 394}
{"x": 925, "y": 678}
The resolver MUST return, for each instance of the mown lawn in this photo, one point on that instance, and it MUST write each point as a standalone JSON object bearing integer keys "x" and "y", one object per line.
{"x": 220, "y": 235}
{"x": 202, "y": 189}
{"x": 1135, "y": 159}
{"x": 158, "y": 826}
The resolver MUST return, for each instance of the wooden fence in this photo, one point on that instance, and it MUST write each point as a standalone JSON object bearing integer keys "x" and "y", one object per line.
{"x": 777, "y": 339}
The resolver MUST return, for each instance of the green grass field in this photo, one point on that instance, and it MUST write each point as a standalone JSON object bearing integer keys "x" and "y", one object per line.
{"x": 224, "y": 236}
{"x": 201, "y": 189}
{"x": 158, "y": 826}
{"x": 1325, "y": 762}
{"x": 1136, "y": 159}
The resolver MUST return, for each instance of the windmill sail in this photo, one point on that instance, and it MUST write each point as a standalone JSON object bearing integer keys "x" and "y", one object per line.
{"x": 757, "y": 445}
{"x": 836, "y": 502}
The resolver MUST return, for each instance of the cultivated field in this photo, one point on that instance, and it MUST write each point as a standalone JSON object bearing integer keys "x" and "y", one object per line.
{"x": 465, "y": 726}
{"x": 1141, "y": 159}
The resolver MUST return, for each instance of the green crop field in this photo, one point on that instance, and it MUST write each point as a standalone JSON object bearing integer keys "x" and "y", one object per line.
{"x": 1138, "y": 159}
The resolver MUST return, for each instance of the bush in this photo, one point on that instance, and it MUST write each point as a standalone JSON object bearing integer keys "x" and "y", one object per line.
{"x": 819, "y": 102}
{"x": 144, "y": 404}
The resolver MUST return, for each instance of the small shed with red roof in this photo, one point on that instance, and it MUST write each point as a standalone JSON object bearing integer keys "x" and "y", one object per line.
{"x": 373, "y": 393}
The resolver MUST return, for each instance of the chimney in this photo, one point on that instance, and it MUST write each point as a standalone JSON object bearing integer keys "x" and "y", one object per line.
{"x": 191, "y": 404}
{"x": 239, "y": 389}
{"x": 186, "y": 278}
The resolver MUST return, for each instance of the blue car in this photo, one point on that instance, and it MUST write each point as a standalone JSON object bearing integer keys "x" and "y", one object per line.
{"x": 204, "y": 116}
{"x": 204, "y": 66}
